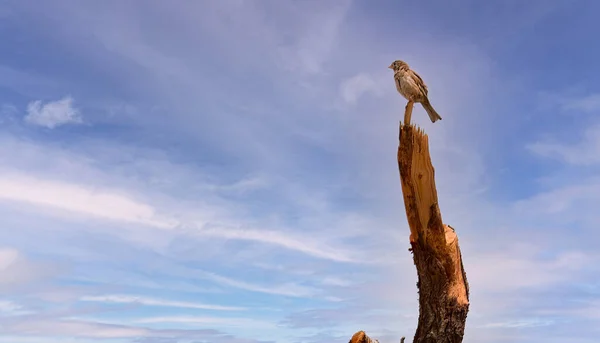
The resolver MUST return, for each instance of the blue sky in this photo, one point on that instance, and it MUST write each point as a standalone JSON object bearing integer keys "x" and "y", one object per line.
{"x": 224, "y": 171}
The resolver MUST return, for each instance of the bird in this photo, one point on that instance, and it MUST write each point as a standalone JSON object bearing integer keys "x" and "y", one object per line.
{"x": 410, "y": 85}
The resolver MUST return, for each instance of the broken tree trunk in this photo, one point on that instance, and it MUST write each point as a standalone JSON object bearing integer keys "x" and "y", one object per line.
{"x": 442, "y": 283}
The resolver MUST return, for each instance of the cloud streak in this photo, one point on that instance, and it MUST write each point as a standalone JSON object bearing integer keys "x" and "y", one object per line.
{"x": 78, "y": 199}
{"x": 586, "y": 152}
{"x": 129, "y": 299}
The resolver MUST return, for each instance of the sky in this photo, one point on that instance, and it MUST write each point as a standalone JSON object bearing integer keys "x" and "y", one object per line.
{"x": 225, "y": 171}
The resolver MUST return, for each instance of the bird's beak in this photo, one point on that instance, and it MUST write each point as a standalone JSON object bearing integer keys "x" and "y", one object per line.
{"x": 391, "y": 66}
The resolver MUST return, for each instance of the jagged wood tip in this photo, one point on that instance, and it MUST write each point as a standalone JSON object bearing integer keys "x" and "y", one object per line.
{"x": 361, "y": 337}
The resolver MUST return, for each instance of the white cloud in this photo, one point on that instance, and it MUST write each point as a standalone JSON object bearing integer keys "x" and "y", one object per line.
{"x": 72, "y": 328}
{"x": 335, "y": 281}
{"x": 79, "y": 199}
{"x": 520, "y": 267}
{"x": 129, "y": 299}
{"x": 304, "y": 244}
{"x": 560, "y": 200}
{"x": 117, "y": 205}
{"x": 53, "y": 113}
{"x": 589, "y": 103}
{"x": 29, "y": 339}
{"x": 522, "y": 323}
{"x": 17, "y": 271}
{"x": 9, "y": 307}
{"x": 8, "y": 257}
{"x": 316, "y": 38}
{"x": 585, "y": 152}
{"x": 174, "y": 271}
{"x": 240, "y": 187}
{"x": 75, "y": 186}
{"x": 288, "y": 289}
{"x": 203, "y": 320}
{"x": 353, "y": 88}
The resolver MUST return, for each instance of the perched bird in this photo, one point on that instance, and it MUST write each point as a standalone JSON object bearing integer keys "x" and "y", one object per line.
{"x": 412, "y": 87}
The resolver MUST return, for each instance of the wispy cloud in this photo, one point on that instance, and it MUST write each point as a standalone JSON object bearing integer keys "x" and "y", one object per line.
{"x": 334, "y": 281}
{"x": 83, "y": 195}
{"x": 129, "y": 299}
{"x": 586, "y": 152}
{"x": 521, "y": 269}
{"x": 290, "y": 289}
{"x": 74, "y": 329}
{"x": 17, "y": 272}
{"x": 362, "y": 84}
{"x": 317, "y": 38}
{"x": 588, "y": 103}
{"x": 199, "y": 320}
{"x": 301, "y": 244}
{"x": 523, "y": 323}
{"x": 560, "y": 199}
{"x": 10, "y": 308}
{"x": 79, "y": 199}
{"x": 53, "y": 113}
{"x": 82, "y": 329}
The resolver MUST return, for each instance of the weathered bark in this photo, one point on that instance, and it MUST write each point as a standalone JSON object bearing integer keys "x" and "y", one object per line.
{"x": 442, "y": 283}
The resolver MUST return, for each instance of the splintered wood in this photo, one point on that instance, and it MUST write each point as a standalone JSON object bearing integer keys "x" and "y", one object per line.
{"x": 459, "y": 288}
{"x": 418, "y": 183}
{"x": 361, "y": 337}
{"x": 443, "y": 287}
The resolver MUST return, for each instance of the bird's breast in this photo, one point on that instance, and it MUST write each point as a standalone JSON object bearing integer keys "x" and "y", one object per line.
{"x": 407, "y": 87}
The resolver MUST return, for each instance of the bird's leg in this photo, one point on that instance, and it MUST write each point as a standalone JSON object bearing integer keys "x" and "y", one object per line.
{"x": 408, "y": 112}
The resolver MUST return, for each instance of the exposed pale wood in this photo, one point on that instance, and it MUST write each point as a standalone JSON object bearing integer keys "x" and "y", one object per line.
{"x": 361, "y": 337}
{"x": 459, "y": 287}
{"x": 408, "y": 112}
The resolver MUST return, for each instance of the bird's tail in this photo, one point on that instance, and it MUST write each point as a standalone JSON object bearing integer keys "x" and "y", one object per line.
{"x": 433, "y": 115}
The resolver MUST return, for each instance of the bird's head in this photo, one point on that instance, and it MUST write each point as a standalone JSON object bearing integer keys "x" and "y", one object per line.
{"x": 398, "y": 64}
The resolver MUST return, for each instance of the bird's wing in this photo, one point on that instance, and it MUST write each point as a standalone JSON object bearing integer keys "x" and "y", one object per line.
{"x": 420, "y": 82}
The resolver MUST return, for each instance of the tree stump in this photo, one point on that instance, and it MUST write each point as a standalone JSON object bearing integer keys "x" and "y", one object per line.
{"x": 442, "y": 282}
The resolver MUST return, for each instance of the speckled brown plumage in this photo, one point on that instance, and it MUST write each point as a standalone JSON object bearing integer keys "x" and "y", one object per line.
{"x": 410, "y": 85}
